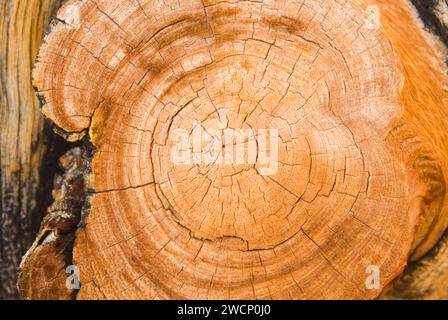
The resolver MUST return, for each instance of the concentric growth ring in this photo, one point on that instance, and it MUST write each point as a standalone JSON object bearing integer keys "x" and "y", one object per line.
{"x": 174, "y": 91}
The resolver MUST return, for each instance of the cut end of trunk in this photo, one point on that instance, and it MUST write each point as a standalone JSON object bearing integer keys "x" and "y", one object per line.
{"x": 250, "y": 150}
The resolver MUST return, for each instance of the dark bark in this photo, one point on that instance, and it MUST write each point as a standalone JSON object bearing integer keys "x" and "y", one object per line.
{"x": 28, "y": 148}
{"x": 432, "y": 17}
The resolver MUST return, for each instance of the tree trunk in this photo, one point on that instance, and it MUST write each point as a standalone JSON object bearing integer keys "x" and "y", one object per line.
{"x": 23, "y": 138}
{"x": 339, "y": 111}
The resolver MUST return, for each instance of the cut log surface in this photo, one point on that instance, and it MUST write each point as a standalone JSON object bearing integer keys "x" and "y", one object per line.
{"x": 357, "y": 92}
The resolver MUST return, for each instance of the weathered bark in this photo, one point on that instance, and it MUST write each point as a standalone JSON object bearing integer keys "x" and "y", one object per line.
{"x": 425, "y": 279}
{"x": 22, "y": 133}
{"x": 361, "y": 114}
{"x": 49, "y": 255}
{"x": 434, "y": 14}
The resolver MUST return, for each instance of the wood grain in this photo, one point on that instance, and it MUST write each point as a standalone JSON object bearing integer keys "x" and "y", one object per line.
{"x": 21, "y": 131}
{"x": 363, "y": 155}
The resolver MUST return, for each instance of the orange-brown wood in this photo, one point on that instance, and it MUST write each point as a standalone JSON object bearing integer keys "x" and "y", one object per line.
{"x": 357, "y": 92}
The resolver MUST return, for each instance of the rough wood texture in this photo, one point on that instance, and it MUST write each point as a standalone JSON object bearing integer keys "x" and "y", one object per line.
{"x": 363, "y": 151}
{"x": 48, "y": 258}
{"x": 425, "y": 279}
{"x": 434, "y": 14}
{"x": 22, "y": 24}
